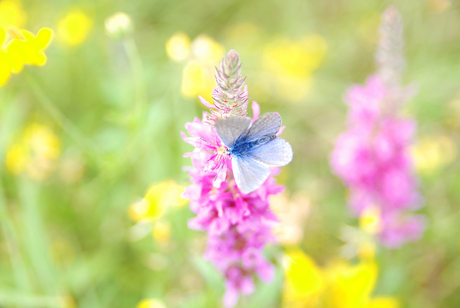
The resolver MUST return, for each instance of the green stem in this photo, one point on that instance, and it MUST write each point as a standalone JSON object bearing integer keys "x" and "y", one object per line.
{"x": 11, "y": 238}
{"x": 138, "y": 77}
{"x": 70, "y": 128}
{"x": 35, "y": 235}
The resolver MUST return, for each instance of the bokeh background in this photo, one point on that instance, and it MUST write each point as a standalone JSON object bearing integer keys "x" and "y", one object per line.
{"x": 91, "y": 155}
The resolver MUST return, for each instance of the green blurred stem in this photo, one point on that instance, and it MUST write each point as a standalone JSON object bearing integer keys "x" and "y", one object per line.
{"x": 12, "y": 243}
{"x": 138, "y": 76}
{"x": 35, "y": 235}
{"x": 62, "y": 120}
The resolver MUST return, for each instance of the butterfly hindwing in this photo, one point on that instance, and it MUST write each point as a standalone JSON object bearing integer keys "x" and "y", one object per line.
{"x": 277, "y": 152}
{"x": 230, "y": 129}
{"x": 249, "y": 173}
{"x": 266, "y": 124}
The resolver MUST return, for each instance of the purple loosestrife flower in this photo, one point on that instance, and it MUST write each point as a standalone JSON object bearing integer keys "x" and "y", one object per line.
{"x": 238, "y": 225}
{"x": 372, "y": 157}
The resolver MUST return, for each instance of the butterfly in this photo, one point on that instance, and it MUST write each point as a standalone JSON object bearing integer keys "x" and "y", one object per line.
{"x": 254, "y": 147}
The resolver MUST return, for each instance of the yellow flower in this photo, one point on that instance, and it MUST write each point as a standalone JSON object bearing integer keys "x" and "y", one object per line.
{"x": 369, "y": 220}
{"x": 205, "y": 49}
{"x": 36, "y": 151}
{"x": 295, "y": 58}
{"x": 338, "y": 285}
{"x": 197, "y": 79}
{"x": 384, "y": 302}
{"x": 303, "y": 280}
{"x": 11, "y": 13}
{"x": 161, "y": 232}
{"x": 350, "y": 286}
{"x": 17, "y": 157}
{"x": 150, "y": 303}
{"x": 43, "y": 142}
{"x": 27, "y": 49}
{"x": 158, "y": 198}
{"x": 291, "y": 63}
{"x": 5, "y": 65}
{"x": 432, "y": 153}
{"x": 74, "y": 28}
{"x": 178, "y": 47}
{"x": 198, "y": 74}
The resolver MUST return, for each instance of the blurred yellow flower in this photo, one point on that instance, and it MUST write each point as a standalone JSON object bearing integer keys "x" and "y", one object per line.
{"x": 36, "y": 152}
{"x": 150, "y": 303}
{"x": 432, "y": 153}
{"x": 5, "y": 64}
{"x": 16, "y": 158}
{"x": 178, "y": 47}
{"x": 292, "y": 64}
{"x": 303, "y": 280}
{"x": 161, "y": 232}
{"x": 27, "y": 49}
{"x": 295, "y": 58}
{"x": 366, "y": 250}
{"x": 198, "y": 74}
{"x": 338, "y": 285}
{"x": 369, "y": 220}
{"x": 118, "y": 25}
{"x": 11, "y": 13}
{"x": 205, "y": 49}
{"x": 197, "y": 79}
{"x": 74, "y": 28}
{"x": 158, "y": 198}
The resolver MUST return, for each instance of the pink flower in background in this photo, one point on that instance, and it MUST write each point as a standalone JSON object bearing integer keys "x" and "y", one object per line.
{"x": 372, "y": 156}
{"x": 239, "y": 225}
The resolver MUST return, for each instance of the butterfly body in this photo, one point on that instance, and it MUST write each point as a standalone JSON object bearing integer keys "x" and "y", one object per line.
{"x": 243, "y": 148}
{"x": 254, "y": 147}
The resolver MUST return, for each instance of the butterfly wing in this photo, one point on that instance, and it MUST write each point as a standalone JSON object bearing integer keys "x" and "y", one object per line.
{"x": 277, "y": 152}
{"x": 230, "y": 129}
{"x": 266, "y": 124}
{"x": 249, "y": 173}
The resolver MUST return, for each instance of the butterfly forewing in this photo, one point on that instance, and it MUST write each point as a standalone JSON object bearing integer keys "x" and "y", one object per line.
{"x": 249, "y": 173}
{"x": 230, "y": 129}
{"x": 266, "y": 124}
{"x": 277, "y": 152}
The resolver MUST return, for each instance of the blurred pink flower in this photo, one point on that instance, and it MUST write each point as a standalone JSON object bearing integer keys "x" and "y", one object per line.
{"x": 372, "y": 156}
{"x": 239, "y": 225}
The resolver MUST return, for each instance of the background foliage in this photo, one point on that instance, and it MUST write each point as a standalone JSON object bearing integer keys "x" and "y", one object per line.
{"x": 84, "y": 137}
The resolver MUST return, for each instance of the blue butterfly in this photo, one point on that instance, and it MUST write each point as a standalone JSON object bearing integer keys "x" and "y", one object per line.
{"x": 254, "y": 148}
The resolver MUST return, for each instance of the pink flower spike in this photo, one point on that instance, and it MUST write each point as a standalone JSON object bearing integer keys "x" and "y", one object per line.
{"x": 372, "y": 157}
{"x": 239, "y": 226}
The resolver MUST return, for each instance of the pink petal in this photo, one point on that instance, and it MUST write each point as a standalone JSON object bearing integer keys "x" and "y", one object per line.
{"x": 255, "y": 111}
{"x": 206, "y": 103}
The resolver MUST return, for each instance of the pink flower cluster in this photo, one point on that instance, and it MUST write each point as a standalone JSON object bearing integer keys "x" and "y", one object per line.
{"x": 372, "y": 158}
{"x": 238, "y": 225}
